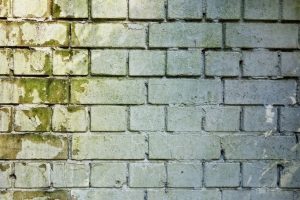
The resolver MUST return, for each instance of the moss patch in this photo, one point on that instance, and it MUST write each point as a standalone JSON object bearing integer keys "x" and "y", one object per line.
{"x": 56, "y": 195}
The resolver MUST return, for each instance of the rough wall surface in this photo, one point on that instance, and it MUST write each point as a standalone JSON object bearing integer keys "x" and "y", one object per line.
{"x": 149, "y": 100}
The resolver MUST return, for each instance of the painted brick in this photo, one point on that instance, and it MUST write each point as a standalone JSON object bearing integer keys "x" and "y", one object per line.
{"x": 291, "y": 10}
{"x": 144, "y": 9}
{"x": 288, "y": 120}
{"x": 223, "y": 9}
{"x": 5, "y": 61}
{"x": 5, "y": 119}
{"x": 70, "y": 8}
{"x": 5, "y": 172}
{"x": 109, "y": 9}
{"x": 31, "y": 8}
{"x": 5, "y": 8}
{"x": 184, "y": 194}
{"x": 185, "y": 9}
{"x": 290, "y": 64}
{"x": 107, "y": 194}
{"x": 261, "y": 9}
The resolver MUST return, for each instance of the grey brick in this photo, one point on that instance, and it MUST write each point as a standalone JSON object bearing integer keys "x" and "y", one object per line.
{"x": 222, "y": 174}
{"x": 236, "y": 194}
{"x": 262, "y": 9}
{"x": 107, "y": 194}
{"x": 145, "y": 9}
{"x": 271, "y": 195}
{"x": 184, "y": 194}
{"x": 223, "y": 9}
{"x": 184, "y": 146}
{"x": 185, "y": 9}
{"x": 290, "y": 176}
{"x": 290, "y": 64}
{"x": 289, "y": 119}
{"x": 185, "y": 35}
{"x": 109, "y": 9}
{"x": 250, "y": 35}
{"x": 291, "y": 10}
{"x": 260, "y": 92}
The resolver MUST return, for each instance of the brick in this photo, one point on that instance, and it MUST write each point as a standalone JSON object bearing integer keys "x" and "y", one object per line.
{"x": 184, "y": 119}
{"x": 32, "y": 119}
{"x": 222, "y": 174}
{"x": 33, "y": 146}
{"x": 187, "y": 91}
{"x": 288, "y": 120}
{"x": 108, "y": 146}
{"x": 5, "y": 119}
{"x": 108, "y": 91}
{"x": 5, "y": 195}
{"x": 259, "y": 174}
{"x": 257, "y": 118}
{"x": 32, "y": 175}
{"x": 108, "y": 35}
{"x": 219, "y": 63}
{"x": 261, "y": 9}
{"x": 70, "y": 8}
{"x": 4, "y": 8}
{"x": 146, "y": 63}
{"x": 107, "y": 194}
{"x": 185, "y": 9}
{"x": 108, "y": 174}
{"x": 147, "y": 175}
{"x": 185, "y": 35}
{"x": 260, "y": 92}
{"x": 70, "y": 175}
{"x": 222, "y": 118}
{"x": 290, "y": 176}
{"x": 109, "y": 9}
{"x": 184, "y": 174}
{"x": 5, "y": 60}
{"x": 108, "y": 118}
{"x": 144, "y": 9}
{"x": 271, "y": 195}
{"x": 260, "y": 63}
{"x": 66, "y": 62}
{"x": 32, "y": 62}
{"x": 236, "y": 194}
{"x": 184, "y": 63}
{"x": 5, "y": 172}
{"x": 272, "y": 147}
{"x": 184, "y": 146}
{"x": 251, "y": 35}
{"x": 31, "y": 8}
{"x": 109, "y": 62}
{"x": 290, "y": 64}
{"x": 147, "y": 118}
{"x": 57, "y": 194}
{"x": 184, "y": 194}
{"x": 291, "y": 10}
{"x": 71, "y": 119}
{"x": 223, "y": 9}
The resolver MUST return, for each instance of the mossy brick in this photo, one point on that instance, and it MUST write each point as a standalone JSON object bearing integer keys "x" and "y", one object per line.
{"x": 32, "y": 119}
{"x": 223, "y": 9}
{"x": 261, "y": 9}
{"x": 5, "y": 172}
{"x": 5, "y": 119}
{"x": 107, "y": 194}
{"x": 31, "y": 8}
{"x": 4, "y": 8}
{"x": 109, "y": 9}
{"x": 33, "y": 146}
{"x": 108, "y": 35}
{"x": 6, "y": 195}
{"x": 5, "y": 61}
{"x": 290, "y": 64}
{"x": 291, "y": 10}
{"x": 185, "y": 9}
{"x": 144, "y": 9}
{"x": 32, "y": 62}
{"x": 74, "y": 62}
{"x": 185, "y": 35}
{"x": 70, "y": 9}
{"x": 184, "y": 194}
{"x": 108, "y": 146}
{"x": 51, "y": 195}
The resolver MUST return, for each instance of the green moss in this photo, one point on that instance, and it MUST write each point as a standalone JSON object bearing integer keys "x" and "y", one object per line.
{"x": 43, "y": 166}
{"x": 78, "y": 85}
{"x": 73, "y": 109}
{"x": 47, "y": 64}
{"x": 43, "y": 114}
{"x": 10, "y": 146}
{"x": 58, "y": 91}
{"x": 4, "y": 167}
{"x": 56, "y": 10}
{"x": 56, "y": 195}
{"x": 74, "y": 38}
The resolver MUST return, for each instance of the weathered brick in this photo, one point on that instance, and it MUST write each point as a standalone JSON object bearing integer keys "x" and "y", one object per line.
{"x": 70, "y": 8}
{"x": 108, "y": 174}
{"x": 272, "y": 147}
{"x": 5, "y": 172}
{"x": 31, "y": 195}
{"x": 108, "y": 146}
{"x": 66, "y": 62}
{"x": 33, "y": 146}
{"x": 184, "y": 174}
{"x": 107, "y": 194}
{"x": 184, "y": 63}
{"x": 219, "y": 63}
{"x": 291, "y": 10}
{"x": 222, "y": 118}
{"x": 184, "y": 119}
{"x": 146, "y": 63}
{"x": 5, "y": 60}
{"x": 261, "y": 9}
{"x": 260, "y": 63}
{"x": 288, "y": 119}
{"x": 70, "y": 174}
{"x": 5, "y": 119}
{"x": 147, "y": 175}
{"x": 260, "y": 92}
{"x": 32, "y": 175}
{"x": 271, "y": 194}
{"x": 185, "y": 9}
{"x": 257, "y": 118}
{"x": 108, "y": 118}
{"x": 108, "y": 35}
{"x": 187, "y": 91}
{"x": 5, "y": 8}
{"x": 108, "y": 91}
{"x": 290, "y": 176}
{"x": 184, "y": 146}
{"x": 223, "y": 9}
{"x": 6, "y": 195}
{"x": 32, "y": 119}
{"x": 222, "y": 174}
{"x": 109, "y": 62}
{"x": 144, "y": 9}
{"x": 147, "y": 118}
{"x": 236, "y": 194}
{"x": 31, "y": 8}
{"x": 290, "y": 64}
{"x": 259, "y": 174}
{"x": 184, "y": 194}
{"x": 185, "y": 35}
{"x": 250, "y": 35}
{"x": 109, "y": 9}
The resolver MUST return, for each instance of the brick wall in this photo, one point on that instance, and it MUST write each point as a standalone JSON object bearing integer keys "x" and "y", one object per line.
{"x": 149, "y": 99}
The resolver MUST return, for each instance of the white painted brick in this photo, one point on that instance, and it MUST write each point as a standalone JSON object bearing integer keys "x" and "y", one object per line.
{"x": 5, "y": 172}
{"x": 109, "y": 9}
{"x": 5, "y": 119}
{"x": 5, "y": 61}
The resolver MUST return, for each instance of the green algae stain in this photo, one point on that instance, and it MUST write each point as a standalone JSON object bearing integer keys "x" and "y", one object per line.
{"x": 55, "y": 195}
{"x": 58, "y": 91}
{"x": 47, "y": 64}
{"x": 73, "y": 109}
{"x": 4, "y": 167}
{"x": 43, "y": 114}
{"x": 56, "y": 10}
